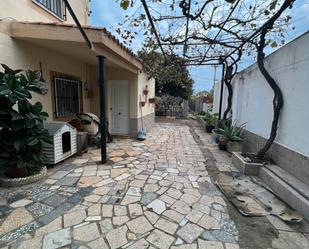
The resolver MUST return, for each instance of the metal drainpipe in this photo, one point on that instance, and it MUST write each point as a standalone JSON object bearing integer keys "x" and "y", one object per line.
{"x": 221, "y": 91}
{"x": 102, "y": 108}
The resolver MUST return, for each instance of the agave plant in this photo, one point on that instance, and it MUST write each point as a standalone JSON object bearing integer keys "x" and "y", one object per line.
{"x": 230, "y": 131}
{"x": 22, "y": 134}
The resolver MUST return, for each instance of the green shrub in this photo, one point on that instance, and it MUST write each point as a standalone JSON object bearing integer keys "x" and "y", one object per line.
{"x": 211, "y": 119}
{"x": 22, "y": 134}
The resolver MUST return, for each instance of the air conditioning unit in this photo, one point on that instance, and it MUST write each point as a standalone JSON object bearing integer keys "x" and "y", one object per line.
{"x": 64, "y": 142}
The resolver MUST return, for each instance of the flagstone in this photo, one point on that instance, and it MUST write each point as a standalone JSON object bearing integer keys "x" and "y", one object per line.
{"x": 151, "y": 216}
{"x": 157, "y": 206}
{"x": 135, "y": 210}
{"x": 181, "y": 207}
{"x": 134, "y": 153}
{"x": 103, "y": 173}
{"x": 120, "y": 220}
{"x": 135, "y": 191}
{"x": 17, "y": 218}
{"x": 202, "y": 244}
{"x": 116, "y": 159}
{"x": 57, "y": 239}
{"x": 167, "y": 199}
{"x": 194, "y": 216}
{"x": 80, "y": 161}
{"x": 139, "y": 225}
{"x": 20, "y": 203}
{"x": 28, "y": 244}
{"x": 116, "y": 153}
{"x": 175, "y": 193}
{"x": 101, "y": 190}
{"x": 189, "y": 198}
{"x": 140, "y": 244}
{"x": 107, "y": 210}
{"x": 106, "y": 225}
{"x": 86, "y": 233}
{"x": 147, "y": 198}
{"x": 120, "y": 210}
{"x": 201, "y": 207}
{"x": 166, "y": 226}
{"x": 190, "y": 232}
{"x": 129, "y": 199}
{"x": 92, "y": 198}
{"x": 104, "y": 182}
{"x": 118, "y": 172}
{"x": 137, "y": 183}
{"x": 98, "y": 244}
{"x": 188, "y": 246}
{"x": 86, "y": 181}
{"x": 160, "y": 239}
{"x": 209, "y": 222}
{"x": 117, "y": 237}
{"x": 73, "y": 218}
{"x": 151, "y": 188}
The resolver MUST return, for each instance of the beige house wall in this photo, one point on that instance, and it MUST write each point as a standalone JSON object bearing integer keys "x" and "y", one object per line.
{"x": 31, "y": 47}
{"x": 28, "y": 10}
{"x": 23, "y": 55}
{"x": 112, "y": 73}
{"x": 137, "y": 85}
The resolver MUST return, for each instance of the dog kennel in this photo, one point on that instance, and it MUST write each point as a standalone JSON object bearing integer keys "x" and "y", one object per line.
{"x": 64, "y": 142}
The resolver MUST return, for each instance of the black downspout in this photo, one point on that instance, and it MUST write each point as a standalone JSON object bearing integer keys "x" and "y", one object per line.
{"x": 221, "y": 91}
{"x": 89, "y": 44}
{"x": 101, "y": 84}
{"x": 102, "y": 108}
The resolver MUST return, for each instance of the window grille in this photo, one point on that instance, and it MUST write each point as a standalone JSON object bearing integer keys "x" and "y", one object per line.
{"x": 68, "y": 97}
{"x": 57, "y": 7}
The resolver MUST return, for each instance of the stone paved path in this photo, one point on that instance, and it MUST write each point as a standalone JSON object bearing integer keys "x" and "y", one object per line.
{"x": 151, "y": 194}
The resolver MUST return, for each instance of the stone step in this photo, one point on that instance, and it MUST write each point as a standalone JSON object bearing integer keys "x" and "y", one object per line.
{"x": 291, "y": 190}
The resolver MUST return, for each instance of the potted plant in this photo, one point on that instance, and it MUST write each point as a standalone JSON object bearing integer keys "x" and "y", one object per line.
{"x": 142, "y": 103}
{"x": 22, "y": 134}
{"x": 210, "y": 120}
{"x": 230, "y": 136}
{"x": 152, "y": 100}
{"x": 222, "y": 142}
{"x": 146, "y": 91}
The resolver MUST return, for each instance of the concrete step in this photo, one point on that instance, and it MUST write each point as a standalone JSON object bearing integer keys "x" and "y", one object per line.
{"x": 291, "y": 190}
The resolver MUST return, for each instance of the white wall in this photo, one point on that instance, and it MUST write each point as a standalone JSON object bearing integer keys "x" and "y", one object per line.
{"x": 216, "y": 101}
{"x": 252, "y": 99}
{"x": 143, "y": 81}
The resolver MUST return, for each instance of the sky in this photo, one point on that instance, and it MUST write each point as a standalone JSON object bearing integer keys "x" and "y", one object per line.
{"x": 108, "y": 14}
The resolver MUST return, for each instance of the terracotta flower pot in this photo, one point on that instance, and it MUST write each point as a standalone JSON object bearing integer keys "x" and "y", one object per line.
{"x": 222, "y": 143}
{"x": 15, "y": 172}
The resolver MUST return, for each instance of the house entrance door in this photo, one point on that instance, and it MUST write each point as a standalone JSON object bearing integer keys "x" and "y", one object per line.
{"x": 119, "y": 106}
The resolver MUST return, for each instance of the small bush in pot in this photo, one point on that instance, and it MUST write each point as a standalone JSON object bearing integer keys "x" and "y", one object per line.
{"x": 22, "y": 134}
{"x": 230, "y": 135}
{"x": 201, "y": 113}
{"x": 210, "y": 120}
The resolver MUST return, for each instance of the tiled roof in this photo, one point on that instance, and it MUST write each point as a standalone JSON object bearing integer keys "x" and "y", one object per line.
{"x": 102, "y": 29}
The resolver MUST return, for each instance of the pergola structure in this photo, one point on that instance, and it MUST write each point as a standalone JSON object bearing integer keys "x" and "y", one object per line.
{"x": 216, "y": 32}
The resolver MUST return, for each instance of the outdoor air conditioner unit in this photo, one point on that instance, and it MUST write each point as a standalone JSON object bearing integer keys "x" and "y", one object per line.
{"x": 64, "y": 142}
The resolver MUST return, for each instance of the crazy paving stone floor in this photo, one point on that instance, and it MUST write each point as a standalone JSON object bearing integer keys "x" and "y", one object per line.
{"x": 150, "y": 194}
